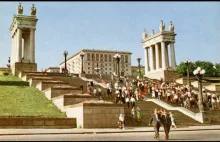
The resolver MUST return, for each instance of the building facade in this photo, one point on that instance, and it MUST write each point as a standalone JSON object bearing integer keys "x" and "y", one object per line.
{"x": 98, "y": 62}
{"x": 53, "y": 69}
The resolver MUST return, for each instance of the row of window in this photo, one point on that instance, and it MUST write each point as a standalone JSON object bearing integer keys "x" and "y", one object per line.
{"x": 103, "y": 57}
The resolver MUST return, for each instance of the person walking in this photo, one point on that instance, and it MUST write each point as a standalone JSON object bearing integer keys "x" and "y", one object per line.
{"x": 156, "y": 120}
{"x": 166, "y": 122}
{"x": 138, "y": 113}
{"x": 173, "y": 124}
{"x": 133, "y": 113}
{"x": 122, "y": 121}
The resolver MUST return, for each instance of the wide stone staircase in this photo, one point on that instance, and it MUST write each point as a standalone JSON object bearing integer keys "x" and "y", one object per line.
{"x": 146, "y": 109}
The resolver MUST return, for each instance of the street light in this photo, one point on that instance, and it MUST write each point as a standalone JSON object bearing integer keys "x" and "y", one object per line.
{"x": 9, "y": 60}
{"x": 97, "y": 68}
{"x": 65, "y": 53}
{"x": 187, "y": 62}
{"x": 139, "y": 66}
{"x": 82, "y": 55}
{"x": 118, "y": 57}
{"x": 199, "y": 73}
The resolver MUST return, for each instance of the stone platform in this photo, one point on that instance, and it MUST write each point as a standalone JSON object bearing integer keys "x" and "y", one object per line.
{"x": 95, "y": 114}
{"x": 167, "y": 75}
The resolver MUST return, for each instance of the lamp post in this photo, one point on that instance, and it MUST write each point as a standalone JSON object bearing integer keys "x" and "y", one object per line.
{"x": 65, "y": 53}
{"x": 139, "y": 66}
{"x": 118, "y": 57}
{"x": 82, "y": 55}
{"x": 97, "y": 68}
{"x": 9, "y": 60}
{"x": 187, "y": 62}
{"x": 199, "y": 73}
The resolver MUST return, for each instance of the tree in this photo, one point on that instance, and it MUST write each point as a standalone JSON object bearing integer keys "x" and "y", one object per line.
{"x": 211, "y": 71}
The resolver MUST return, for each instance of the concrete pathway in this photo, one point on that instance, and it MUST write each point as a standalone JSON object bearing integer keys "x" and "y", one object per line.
{"x": 35, "y": 131}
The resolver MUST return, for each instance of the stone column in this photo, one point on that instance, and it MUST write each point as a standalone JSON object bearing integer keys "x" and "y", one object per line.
{"x": 146, "y": 60}
{"x": 157, "y": 56}
{"x": 167, "y": 56}
{"x": 19, "y": 45}
{"x": 173, "y": 57}
{"x": 25, "y": 47}
{"x": 15, "y": 47}
{"x": 163, "y": 55}
{"x": 32, "y": 45}
{"x": 12, "y": 50}
{"x": 152, "y": 58}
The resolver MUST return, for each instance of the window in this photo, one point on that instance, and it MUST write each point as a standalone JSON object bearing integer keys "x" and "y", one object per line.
{"x": 110, "y": 58}
{"x": 97, "y": 57}
{"x": 126, "y": 69}
{"x": 105, "y": 68}
{"x": 93, "y": 57}
{"x": 88, "y": 67}
{"x": 101, "y": 57}
{"x": 88, "y": 63}
{"x": 110, "y": 64}
{"x": 126, "y": 58}
{"x": 105, "y": 57}
{"x": 105, "y": 64}
{"x": 110, "y": 68}
{"x": 88, "y": 72}
{"x": 106, "y": 73}
{"x": 88, "y": 56}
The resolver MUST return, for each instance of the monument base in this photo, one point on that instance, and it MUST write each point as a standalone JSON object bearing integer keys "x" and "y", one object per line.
{"x": 167, "y": 75}
{"x": 20, "y": 66}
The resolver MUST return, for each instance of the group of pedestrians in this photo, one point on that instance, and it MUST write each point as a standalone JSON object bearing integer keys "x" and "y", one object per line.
{"x": 162, "y": 118}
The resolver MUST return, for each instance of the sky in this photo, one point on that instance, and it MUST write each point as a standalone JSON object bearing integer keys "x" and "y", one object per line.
{"x": 74, "y": 26}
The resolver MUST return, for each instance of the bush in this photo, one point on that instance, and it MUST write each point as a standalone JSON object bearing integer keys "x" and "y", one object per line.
{"x": 5, "y": 73}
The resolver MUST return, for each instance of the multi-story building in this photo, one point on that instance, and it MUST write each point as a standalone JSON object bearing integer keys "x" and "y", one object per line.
{"x": 102, "y": 60}
{"x": 53, "y": 69}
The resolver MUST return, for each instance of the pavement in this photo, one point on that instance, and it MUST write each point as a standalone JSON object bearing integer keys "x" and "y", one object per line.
{"x": 37, "y": 131}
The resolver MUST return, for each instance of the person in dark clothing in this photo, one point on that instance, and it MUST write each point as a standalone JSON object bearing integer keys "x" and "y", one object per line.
{"x": 156, "y": 120}
{"x": 166, "y": 122}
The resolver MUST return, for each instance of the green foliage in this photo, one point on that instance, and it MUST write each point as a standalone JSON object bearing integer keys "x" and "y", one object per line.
{"x": 208, "y": 66}
{"x": 26, "y": 101}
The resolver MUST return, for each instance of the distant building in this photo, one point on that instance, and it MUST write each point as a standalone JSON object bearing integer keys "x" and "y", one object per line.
{"x": 135, "y": 69}
{"x": 98, "y": 59}
{"x": 53, "y": 69}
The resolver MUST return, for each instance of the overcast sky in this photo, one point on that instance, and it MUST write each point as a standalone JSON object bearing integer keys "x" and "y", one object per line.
{"x": 73, "y": 26}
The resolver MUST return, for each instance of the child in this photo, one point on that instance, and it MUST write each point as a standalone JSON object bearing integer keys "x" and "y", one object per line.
{"x": 172, "y": 120}
{"x": 133, "y": 112}
{"x": 138, "y": 114}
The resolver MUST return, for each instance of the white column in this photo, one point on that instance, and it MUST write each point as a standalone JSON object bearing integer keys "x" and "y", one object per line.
{"x": 146, "y": 60}
{"x": 12, "y": 50}
{"x": 16, "y": 46}
{"x": 173, "y": 57}
{"x": 32, "y": 45}
{"x": 163, "y": 55}
{"x": 167, "y": 56}
{"x": 157, "y": 56}
{"x": 25, "y": 47}
{"x": 152, "y": 58}
{"x": 19, "y": 45}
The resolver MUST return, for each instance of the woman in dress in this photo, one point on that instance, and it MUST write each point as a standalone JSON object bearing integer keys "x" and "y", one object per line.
{"x": 173, "y": 125}
{"x": 138, "y": 114}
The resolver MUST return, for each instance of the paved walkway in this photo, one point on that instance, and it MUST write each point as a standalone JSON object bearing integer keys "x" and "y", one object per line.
{"x": 35, "y": 131}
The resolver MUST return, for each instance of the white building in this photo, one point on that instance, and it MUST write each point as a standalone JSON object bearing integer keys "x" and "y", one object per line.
{"x": 53, "y": 69}
{"x": 101, "y": 59}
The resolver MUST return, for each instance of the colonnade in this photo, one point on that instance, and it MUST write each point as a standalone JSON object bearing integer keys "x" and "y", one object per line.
{"x": 159, "y": 57}
{"x": 23, "y": 50}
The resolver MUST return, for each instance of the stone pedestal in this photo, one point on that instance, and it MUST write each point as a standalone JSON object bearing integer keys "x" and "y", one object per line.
{"x": 167, "y": 75}
{"x": 205, "y": 117}
{"x": 18, "y": 67}
{"x": 82, "y": 75}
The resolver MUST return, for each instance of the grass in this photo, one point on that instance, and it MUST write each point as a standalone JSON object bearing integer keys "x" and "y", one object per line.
{"x": 25, "y": 101}
{"x": 9, "y": 78}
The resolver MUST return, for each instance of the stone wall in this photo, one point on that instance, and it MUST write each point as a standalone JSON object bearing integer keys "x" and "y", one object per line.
{"x": 45, "y": 85}
{"x": 34, "y": 81}
{"x": 32, "y": 122}
{"x": 18, "y": 66}
{"x": 55, "y": 92}
{"x": 95, "y": 115}
{"x": 66, "y": 100}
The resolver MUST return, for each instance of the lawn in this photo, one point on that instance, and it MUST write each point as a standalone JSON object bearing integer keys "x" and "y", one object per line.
{"x": 9, "y": 78}
{"x": 25, "y": 101}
